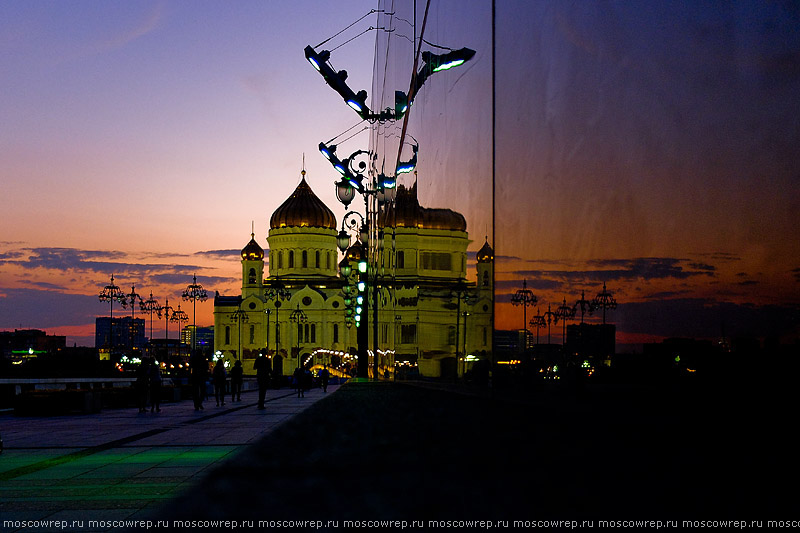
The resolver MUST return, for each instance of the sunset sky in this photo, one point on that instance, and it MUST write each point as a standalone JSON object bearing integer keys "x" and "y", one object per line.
{"x": 654, "y": 149}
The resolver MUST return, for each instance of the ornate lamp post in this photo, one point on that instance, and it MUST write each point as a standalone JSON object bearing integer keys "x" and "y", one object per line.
{"x": 460, "y": 294}
{"x": 550, "y": 317}
{"x": 109, "y": 293}
{"x": 538, "y": 321}
{"x": 298, "y": 316}
{"x": 584, "y": 305}
{"x": 276, "y": 293}
{"x": 192, "y": 293}
{"x": 604, "y": 300}
{"x": 130, "y": 299}
{"x": 239, "y": 316}
{"x": 564, "y": 312}
{"x": 167, "y": 310}
{"x": 524, "y": 297}
{"x": 180, "y": 317}
{"x": 151, "y": 306}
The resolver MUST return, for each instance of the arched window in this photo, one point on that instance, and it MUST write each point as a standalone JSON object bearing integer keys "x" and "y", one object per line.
{"x": 252, "y": 334}
{"x": 280, "y": 260}
{"x": 316, "y": 259}
{"x": 328, "y": 261}
{"x": 335, "y": 333}
{"x": 306, "y": 337}
{"x": 485, "y": 279}
{"x": 291, "y": 258}
{"x": 251, "y": 276}
{"x": 227, "y": 334}
{"x": 313, "y": 333}
{"x": 305, "y": 259}
{"x": 451, "y": 335}
{"x": 401, "y": 259}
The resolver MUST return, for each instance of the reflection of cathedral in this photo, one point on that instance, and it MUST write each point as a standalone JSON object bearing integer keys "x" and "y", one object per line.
{"x": 427, "y": 311}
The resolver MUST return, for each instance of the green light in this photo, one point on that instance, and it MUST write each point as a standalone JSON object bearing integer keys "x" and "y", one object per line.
{"x": 448, "y": 66}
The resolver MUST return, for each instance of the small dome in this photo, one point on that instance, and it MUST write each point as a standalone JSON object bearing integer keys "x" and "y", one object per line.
{"x": 253, "y": 252}
{"x": 303, "y": 209}
{"x": 485, "y": 254}
{"x": 355, "y": 253}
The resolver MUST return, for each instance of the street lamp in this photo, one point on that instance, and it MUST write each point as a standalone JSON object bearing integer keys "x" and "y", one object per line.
{"x": 109, "y": 293}
{"x": 538, "y": 321}
{"x": 167, "y": 310}
{"x": 151, "y": 306}
{"x": 564, "y": 312}
{"x": 192, "y": 293}
{"x": 524, "y": 297}
{"x": 239, "y": 316}
{"x": 604, "y": 300}
{"x": 551, "y": 317}
{"x": 277, "y": 293}
{"x": 130, "y": 299}
{"x": 299, "y": 317}
{"x": 179, "y": 316}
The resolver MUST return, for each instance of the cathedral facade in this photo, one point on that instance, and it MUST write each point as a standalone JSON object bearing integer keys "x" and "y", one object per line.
{"x": 432, "y": 321}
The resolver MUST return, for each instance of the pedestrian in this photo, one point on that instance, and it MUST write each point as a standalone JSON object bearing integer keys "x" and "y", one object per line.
{"x": 220, "y": 378}
{"x": 237, "y": 377}
{"x": 141, "y": 386}
{"x": 155, "y": 389}
{"x": 298, "y": 378}
{"x": 263, "y": 370}
{"x": 199, "y": 367}
{"x": 324, "y": 376}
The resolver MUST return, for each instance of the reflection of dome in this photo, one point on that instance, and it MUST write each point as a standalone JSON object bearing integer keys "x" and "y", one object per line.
{"x": 485, "y": 254}
{"x": 303, "y": 209}
{"x": 407, "y": 213}
{"x": 253, "y": 252}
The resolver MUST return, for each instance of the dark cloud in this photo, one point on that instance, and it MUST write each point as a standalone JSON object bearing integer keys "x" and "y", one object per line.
{"x": 34, "y": 308}
{"x": 44, "y": 285}
{"x": 511, "y": 286}
{"x": 647, "y": 268}
{"x": 106, "y": 262}
{"x": 702, "y": 318}
{"x": 222, "y": 254}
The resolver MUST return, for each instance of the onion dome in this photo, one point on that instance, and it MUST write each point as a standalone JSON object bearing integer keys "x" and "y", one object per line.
{"x": 485, "y": 254}
{"x": 303, "y": 209}
{"x": 407, "y": 213}
{"x": 253, "y": 252}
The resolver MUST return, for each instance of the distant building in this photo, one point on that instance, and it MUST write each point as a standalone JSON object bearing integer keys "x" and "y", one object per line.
{"x": 204, "y": 336}
{"x": 27, "y": 342}
{"x": 120, "y": 334}
{"x": 424, "y": 296}
{"x": 592, "y": 341}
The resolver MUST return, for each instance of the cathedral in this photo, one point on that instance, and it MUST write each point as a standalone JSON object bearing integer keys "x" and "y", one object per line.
{"x": 432, "y": 321}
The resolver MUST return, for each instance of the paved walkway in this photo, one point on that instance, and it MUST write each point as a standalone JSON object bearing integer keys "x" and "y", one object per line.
{"x": 119, "y": 464}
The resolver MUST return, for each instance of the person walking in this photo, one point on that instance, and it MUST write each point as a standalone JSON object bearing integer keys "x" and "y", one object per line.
{"x": 237, "y": 378}
{"x": 299, "y": 379}
{"x": 263, "y": 370}
{"x": 141, "y": 385}
{"x": 155, "y": 388}
{"x": 199, "y": 366}
{"x": 324, "y": 376}
{"x": 220, "y": 378}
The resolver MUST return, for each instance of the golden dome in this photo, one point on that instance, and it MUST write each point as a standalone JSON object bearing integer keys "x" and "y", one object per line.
{"x": 303, "y": 209}
{"x": 253, "y": 252}
{"x": 485, "y": 254}
{"x": 407, "y": 213}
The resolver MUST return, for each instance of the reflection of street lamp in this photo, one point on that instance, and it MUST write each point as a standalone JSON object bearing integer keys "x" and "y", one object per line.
{"x": 604, "y": 300}
{"x": 298, "y": 317}
{"x": 524, "y": 297}
{"x": 460, "y": 294}
{"x": 564, "y": 313}
{"x": 550, "y": 317}
{"x": 192, "y": 293}
{"x": 179, "y": 316}
{"x": 239, "y": 316}
{"x": 110, "y": 293}
{"x": 584, "y": 304}
{"x": 538, "y": 321}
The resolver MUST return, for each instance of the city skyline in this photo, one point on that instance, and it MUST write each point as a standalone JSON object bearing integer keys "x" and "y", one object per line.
{"x": 145, "y": 141}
